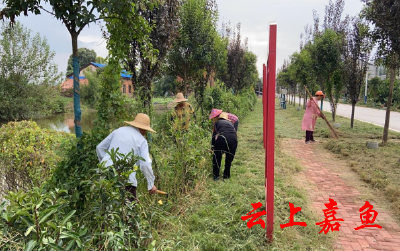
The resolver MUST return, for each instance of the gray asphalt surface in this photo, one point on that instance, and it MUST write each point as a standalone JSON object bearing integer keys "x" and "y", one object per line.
{"x": 369, "y": 115}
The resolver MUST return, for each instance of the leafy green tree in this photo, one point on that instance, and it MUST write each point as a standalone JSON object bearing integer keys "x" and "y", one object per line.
{"x": 85, "y": 56}
{"x": 27, "y": 74}
{"x": 356, "y": 57}
{"x": 250, "y": 71}
{"x": 373, "y": 87}
{"x": 384, "y": 14}
{"x": 164, "y": 21}
{"x": 326, "y": 54}
{"x": 101, "y": 60}
{"x": 75, "y": 15}
{"x": 302, "y": 71}
{"x": 163, "y": 85}
{"x": 195, "y": 52}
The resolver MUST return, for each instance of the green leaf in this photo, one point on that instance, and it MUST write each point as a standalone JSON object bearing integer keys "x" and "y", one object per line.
{"x": 30, "y": 246}
{"x": 55, "y": 246}
{"x": 29, "y": 230}
{"x": 70, "y": 245}
{"x": 52, "y": 225}
{"x": 72, "y": 235}
{"x": 2, "y": 206}
{"x": 69, "y": 215}
{"x": 47, "y": 215}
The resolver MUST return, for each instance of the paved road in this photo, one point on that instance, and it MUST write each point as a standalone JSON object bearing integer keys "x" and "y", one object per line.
{"x": 370, "y": 115}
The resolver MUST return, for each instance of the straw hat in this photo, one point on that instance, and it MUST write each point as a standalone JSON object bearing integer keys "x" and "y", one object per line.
{"x": 320, "y": 93}
{"x": 141, "y": 121}
{"x": 215, "y": 113}
{"x": 179, "y": 98}
{"x": 223, "y": 115}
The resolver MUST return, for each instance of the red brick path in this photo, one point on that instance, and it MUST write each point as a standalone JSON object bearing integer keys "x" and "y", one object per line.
{"x": 323, "y": 180}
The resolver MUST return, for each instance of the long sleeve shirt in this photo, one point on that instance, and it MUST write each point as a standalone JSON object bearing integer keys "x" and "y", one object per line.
{"x": 128, "y": 138}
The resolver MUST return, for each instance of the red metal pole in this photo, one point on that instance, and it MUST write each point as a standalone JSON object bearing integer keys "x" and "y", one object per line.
{"x": 270, "y": 126}
{"x": 264, "y": 98}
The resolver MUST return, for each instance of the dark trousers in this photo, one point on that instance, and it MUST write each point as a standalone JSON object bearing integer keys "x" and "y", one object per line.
{"x": 132, "y": 190}
{"x": 309, "y": 136}
{"x": 236, "y": 125}
{"x": 224, "y": 144}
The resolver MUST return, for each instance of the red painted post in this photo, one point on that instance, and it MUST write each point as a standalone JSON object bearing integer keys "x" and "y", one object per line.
{"x": 270, "y": 131}
{"x": 264, "y": 96}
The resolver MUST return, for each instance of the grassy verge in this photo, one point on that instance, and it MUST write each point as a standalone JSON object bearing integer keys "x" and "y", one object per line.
{"x": 380, "y": 168}
{"x": 209, "y": 218}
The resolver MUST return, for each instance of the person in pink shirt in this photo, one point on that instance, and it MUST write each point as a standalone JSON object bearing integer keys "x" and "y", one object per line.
{"x": 232, "y": 117}
{"x": 311, "y": 115}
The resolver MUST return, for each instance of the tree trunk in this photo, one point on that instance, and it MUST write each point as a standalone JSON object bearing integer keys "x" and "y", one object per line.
{"x": 304, "y": 99}
{"x": 77, "y": 102}
{"x": 353, "y": 109}
{"x": 333, "y": 106}
{"x": 184, "y": 83}
{"x": 299, "y": 100}
{"x": 389, "y": 105}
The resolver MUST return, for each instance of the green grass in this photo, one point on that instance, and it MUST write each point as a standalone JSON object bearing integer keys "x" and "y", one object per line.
{"x": 209, "y": 218}
{"x": 380, "y": 168}
{"x": 162, "y": 100}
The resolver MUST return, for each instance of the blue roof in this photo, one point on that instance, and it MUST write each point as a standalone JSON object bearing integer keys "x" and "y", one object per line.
{"x": 124, "y": 73}
{"x": 99, "y": 65}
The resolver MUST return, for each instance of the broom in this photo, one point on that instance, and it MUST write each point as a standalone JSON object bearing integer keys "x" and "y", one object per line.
{"x": 333, "y": 132}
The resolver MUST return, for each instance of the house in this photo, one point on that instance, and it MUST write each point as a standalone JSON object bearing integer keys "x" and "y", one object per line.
{"x": 126, "y": 87}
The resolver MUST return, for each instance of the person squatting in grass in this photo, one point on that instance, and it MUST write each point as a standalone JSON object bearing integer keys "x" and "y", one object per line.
{"x": 128, "y": 138}
{"x": 224, "y": 140}
{"x": 311, "y": 115}
{"x": 182, "y": 113}
{"x": 232, "y": 117}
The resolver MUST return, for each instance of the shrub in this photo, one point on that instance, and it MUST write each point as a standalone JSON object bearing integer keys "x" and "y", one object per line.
{"x": 220, "y": 97}
{"x": 47, "y": 219}
{"x": 29, "y": 154}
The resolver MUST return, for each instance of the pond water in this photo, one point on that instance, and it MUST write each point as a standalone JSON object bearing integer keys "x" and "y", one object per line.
{"x": 65, "y": 122}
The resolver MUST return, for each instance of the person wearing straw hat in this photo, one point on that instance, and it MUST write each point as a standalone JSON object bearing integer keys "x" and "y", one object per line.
{"x": 232, "y": 117}
{"x": 310, "y": 116}
{"x": 128, "y": 138}
{"x": 182, "y": 112}
{"x": 224, "y": 140}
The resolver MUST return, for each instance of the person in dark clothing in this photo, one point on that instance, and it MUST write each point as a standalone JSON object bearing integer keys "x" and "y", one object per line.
{"x": 224, "y": 140}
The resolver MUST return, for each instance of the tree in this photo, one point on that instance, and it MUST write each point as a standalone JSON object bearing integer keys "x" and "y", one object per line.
{"x": 164, "y": 21}
{"x": 27, "y": 74}
{"x": 85, "y": 56}
{"x": 195, "y": 53}
{"x": 384, "y": 14}
{"x": 164, "y": 85}
{"x": 326, "y": 54}
{"x": 236, "y": 57}
{"x": 359, "y": 46}
{"x": 241, "y": 63}
{"x": 373, "y": 87}
{"x": 101, "y": 60}
{"x": 302, "y": 70}
{"x": 75, "y": 15}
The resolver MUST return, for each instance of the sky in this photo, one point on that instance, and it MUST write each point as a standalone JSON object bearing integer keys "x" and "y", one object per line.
{"x": 291, "y": 17}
